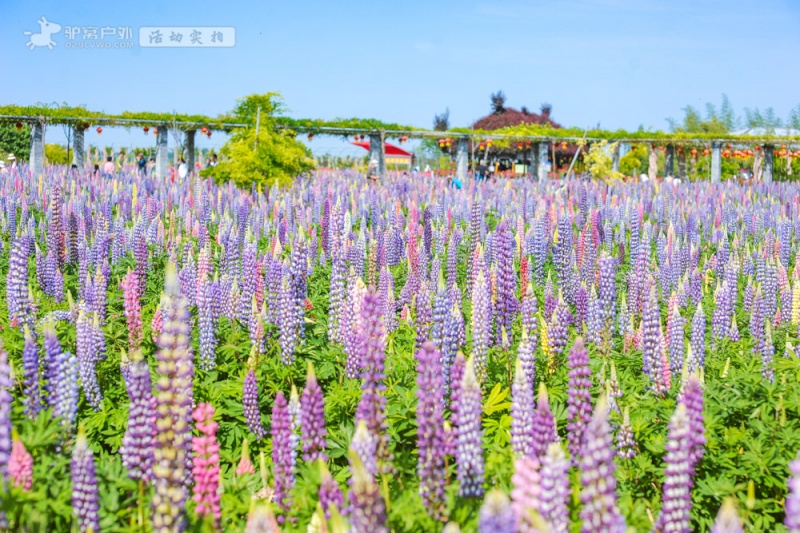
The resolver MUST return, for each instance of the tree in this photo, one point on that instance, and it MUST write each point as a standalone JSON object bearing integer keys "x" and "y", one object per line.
{"x": 246, "y": 110}
{"x": 56, "y": 154}
{"x": 274, "y": 160}
{"x": 442, "y": 122}
{"x": 14, "y": 141}
{"x": 273, "y": 156}
{"x": 498, "y": 102}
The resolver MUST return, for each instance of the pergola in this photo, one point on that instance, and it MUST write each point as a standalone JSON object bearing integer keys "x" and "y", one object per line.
{"x": 538, "y": 144}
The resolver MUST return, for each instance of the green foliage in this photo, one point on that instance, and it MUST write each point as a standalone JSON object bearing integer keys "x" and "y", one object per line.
{"x": 247, "y": 108}
{"x": 599, "y": 162}
{"x": 55, "y": 154}
{"x": 275, "y": 160}
{"x": 14, "y": 141}
{"x": 635, "y": 161}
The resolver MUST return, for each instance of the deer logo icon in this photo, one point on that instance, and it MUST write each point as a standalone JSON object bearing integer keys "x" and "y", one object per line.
{"x": 44, "y": 38}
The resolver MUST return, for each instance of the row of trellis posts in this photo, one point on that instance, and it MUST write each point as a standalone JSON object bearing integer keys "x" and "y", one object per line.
{"x": 538, "y": 145}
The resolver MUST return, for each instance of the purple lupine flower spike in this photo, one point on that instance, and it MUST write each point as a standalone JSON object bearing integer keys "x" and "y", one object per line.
{"x": 792, "y": 514}
{"x": 138, "y": 443}
{"x": 544, "y": 424}
{"x": 579, "y": 398}
{"x": 84, "y": 485}
{"x": 692, "y": 397}
{"x": 496, "y": 514}
{"x": 372, "y": 405}
{"x": 555, "y": 489}
{"x": 522, "y": 413}
{"x": 469, "y": 454}
{"x": 698, "y": 339}
{"x": 31, "y": 375}
{"x": 174, "y": 396}
{"x": 282, "y": 454}
{"x": 368, "y": 509}
{"x": 252, "y": 413}
{"x": 430, "y": 434}
{"x": 676, "y": 499}
{"x": 598, "y": 492}
{"x": 330, "y": 494}
{"x": 481, "y": 322}
{"x": 312, "y": 412}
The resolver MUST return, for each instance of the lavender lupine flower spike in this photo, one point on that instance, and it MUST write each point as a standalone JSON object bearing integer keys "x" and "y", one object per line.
{"x": 692, "y": 397}
{"x": 598, "y": 492}
{"x": 368, "y": 509}
{"x": 496, "y": 515}
{"x": 544, "y": 424}
{"x": 31, "y": 375}
{"x": 430, "y": 434}
{"x": 626, "y": 446}
{"x": 555, "y": 489}
{"x": 138, "y": 443}
{"x": 5, "y": 414}
{"x": 579, "y": 398}
{"x": 792, "y": 518}
{"x": 252, "y": 413}
{"x": 173, "y": 408}
{"x": 372, "y": 406}
{"x": 84, "y": 485}
{"x": 312, "y": 412}
{"x": 676, "y": 499}
{"x": 330, "y": 494}
{"x": 522, "y": 413}
{"x": 728, "y": 520}
{"x": 282, "y": 453}
{"x": 469, "y": 453}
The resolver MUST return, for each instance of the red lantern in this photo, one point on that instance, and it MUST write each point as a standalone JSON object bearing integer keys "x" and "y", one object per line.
{"x": 208, "y": 134}
{"x": 310, "y": 137}
{"x": 99, "y": 130}
{"x": 489, "y": 142}
{"x": 155, "y": 131}
{"x": 447, "y": 142}
{"x": 85, "y": 127}
{"x": 146, "y": 129}
{"x": 204, "y": 130}
{"x": 481, "y": 146}
{"x": 694, "y": 152}
{"x": 519, "y": 146}
{"x": 705, "y": 153}
{"x": 19, "y": 126}
{"x": 528, "y": 144}
{"x": 563, "y": 145}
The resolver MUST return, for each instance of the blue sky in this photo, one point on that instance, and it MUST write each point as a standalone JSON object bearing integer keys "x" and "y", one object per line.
{"x": 619, "y": 63}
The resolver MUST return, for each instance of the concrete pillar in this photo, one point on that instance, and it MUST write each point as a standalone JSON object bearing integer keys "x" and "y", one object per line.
{"x": 78, "y": 153}
{"x": 190, "y": 150}
{"x": 37, "y": 149}
{"x": 462, "y": 159}
{"x": 615, "y": 157}
{"x": 768, "y": 161}
{"x": 669, "y": 161}
{"x": 535, "y": 162}
{"x": 377, "y": 151}
{"x": 682, "y": 164}
{"x": 542, "y": 160}
{"x": 716, "y": 162}
{"x": 162, "y": 152}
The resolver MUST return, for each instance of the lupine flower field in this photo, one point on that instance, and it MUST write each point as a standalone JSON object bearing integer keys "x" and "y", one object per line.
{"x": 398, "y": 356}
